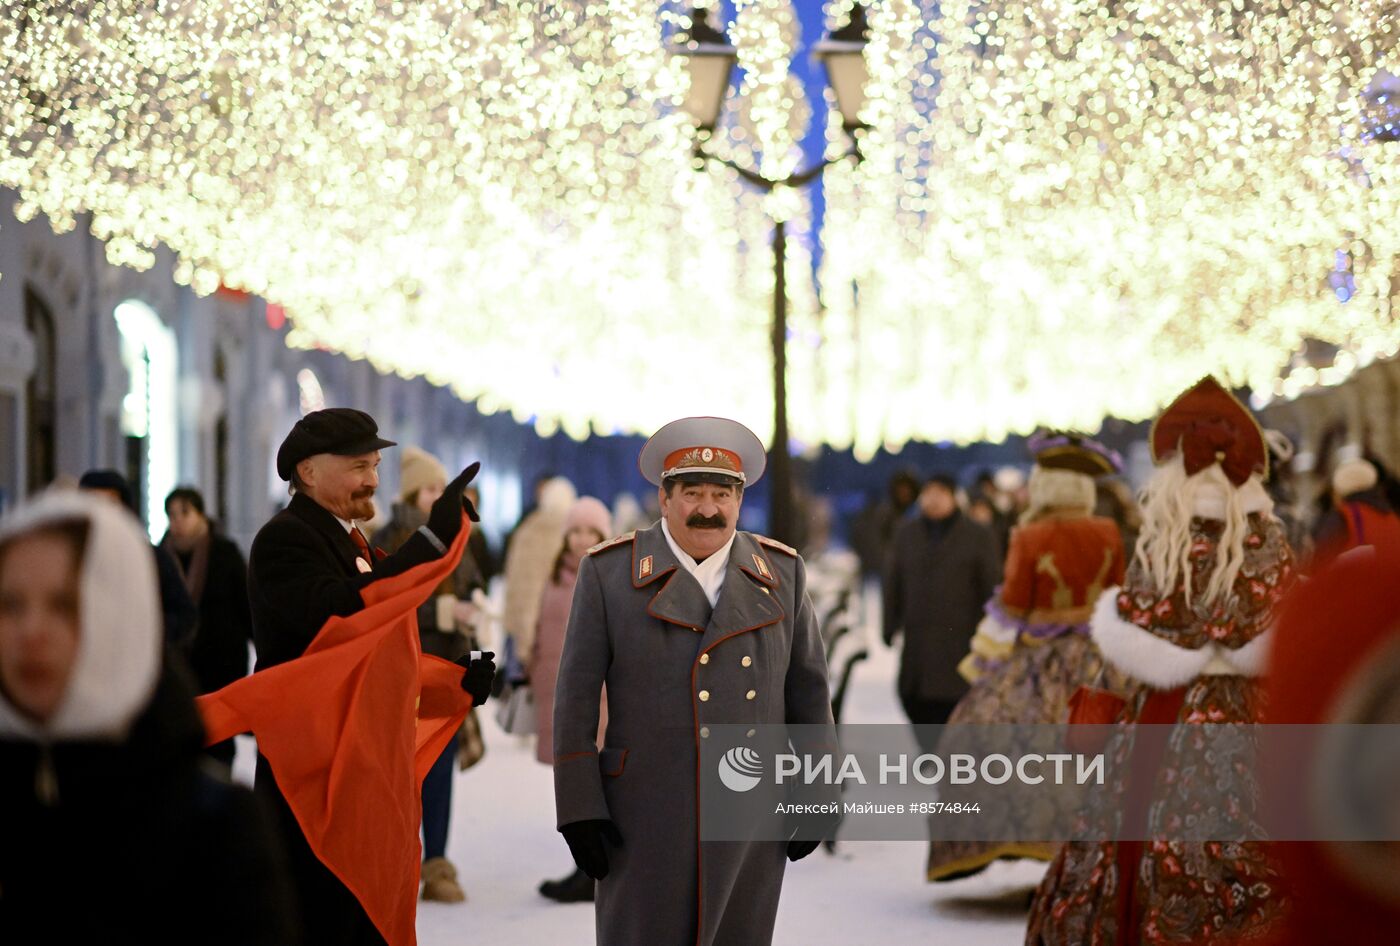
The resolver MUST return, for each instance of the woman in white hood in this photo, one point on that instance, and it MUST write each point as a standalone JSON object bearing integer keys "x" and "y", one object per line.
{"x": 112, "y": 830}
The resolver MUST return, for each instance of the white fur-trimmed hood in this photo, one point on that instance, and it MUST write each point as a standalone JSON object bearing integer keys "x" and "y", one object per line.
{"x": 1161, "y": 664}
{"x": 119, "y": 648}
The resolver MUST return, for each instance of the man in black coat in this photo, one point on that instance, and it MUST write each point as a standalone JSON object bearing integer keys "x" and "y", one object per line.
{"x": 217, "y": 579}
{"x": 309, "y": 564}
{"x": 943, "y": 567}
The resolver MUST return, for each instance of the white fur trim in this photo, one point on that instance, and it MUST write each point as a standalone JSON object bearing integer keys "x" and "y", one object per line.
{"x": 119, "y": 648}
{"x": 1251, "y": 659}
{"x": 1353, "y": 476}
{"x": 993, "y": 628}
{"x": 1051, "y": 488}
{"x": 1140, "y": 653}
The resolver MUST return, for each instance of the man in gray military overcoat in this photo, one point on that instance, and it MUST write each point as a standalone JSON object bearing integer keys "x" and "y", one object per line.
{"x": 691, "y": 624}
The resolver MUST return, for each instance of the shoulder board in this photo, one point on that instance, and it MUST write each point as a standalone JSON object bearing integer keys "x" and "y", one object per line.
{"x": 775, "y": 544}
{"x": 612, "y": 543}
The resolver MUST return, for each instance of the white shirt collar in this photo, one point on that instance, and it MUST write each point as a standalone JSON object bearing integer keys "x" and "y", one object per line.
{"x": 710, "y": 572}
{"x": 345, "y": 524}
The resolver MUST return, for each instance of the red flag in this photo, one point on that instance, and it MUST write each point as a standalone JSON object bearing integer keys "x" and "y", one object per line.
{"x": 350, "y": 729}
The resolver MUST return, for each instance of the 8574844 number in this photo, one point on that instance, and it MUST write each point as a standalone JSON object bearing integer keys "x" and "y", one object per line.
{"x": 946, "y": 808}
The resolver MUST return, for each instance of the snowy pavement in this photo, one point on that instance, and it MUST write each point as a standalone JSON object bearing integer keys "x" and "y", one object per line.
{"x": 870, "y": 892}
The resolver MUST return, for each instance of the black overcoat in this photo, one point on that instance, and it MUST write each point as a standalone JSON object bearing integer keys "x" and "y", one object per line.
{"x": 936, "y": 588}
{"x": 136, "y": 843}
{"x": 220, "y": 652}
{"x": 301, "y": 572}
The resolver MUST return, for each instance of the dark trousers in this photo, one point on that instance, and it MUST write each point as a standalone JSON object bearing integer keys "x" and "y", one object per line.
{"x": 924, "y": 712}
{"x": 222, "y": 752}
{"x": 437, "y": 803}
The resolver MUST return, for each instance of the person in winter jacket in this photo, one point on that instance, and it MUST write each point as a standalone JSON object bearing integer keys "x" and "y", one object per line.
{"x": 216, "y": 577}
{"x": 101, "y": 755}
{"x": 1361, "y": 515}
{"x": 942, "y": 569}
{"x": 422, "y": 479}
{"x": 530, "y": 556}
{"x": 588, "y": 524}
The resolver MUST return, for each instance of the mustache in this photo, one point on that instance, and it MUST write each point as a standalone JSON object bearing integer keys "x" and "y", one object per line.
{"x": 363, "y": 494}
{"x": 698, "y": 521}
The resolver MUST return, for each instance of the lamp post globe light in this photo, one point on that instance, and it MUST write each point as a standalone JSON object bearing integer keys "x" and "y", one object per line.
{"x": 710, "y": 60}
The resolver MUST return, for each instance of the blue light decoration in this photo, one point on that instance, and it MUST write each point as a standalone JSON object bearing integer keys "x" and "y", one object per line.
{"x": 1341, "y": 280}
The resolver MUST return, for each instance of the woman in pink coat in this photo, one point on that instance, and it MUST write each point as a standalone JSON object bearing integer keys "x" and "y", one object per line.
{"x": 588, "y": 523}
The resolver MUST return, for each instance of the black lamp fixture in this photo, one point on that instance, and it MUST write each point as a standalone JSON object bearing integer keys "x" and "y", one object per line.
{"x": 843, "y": 54}
{"x": 711, "y": 60}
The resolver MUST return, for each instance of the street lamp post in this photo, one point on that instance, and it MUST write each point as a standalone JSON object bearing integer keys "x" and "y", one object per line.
{"x": 711, "y": 59}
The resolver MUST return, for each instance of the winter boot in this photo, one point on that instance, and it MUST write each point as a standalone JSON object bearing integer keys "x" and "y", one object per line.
{"x": 440, "y": 881}
{"x": 575, "y": 888}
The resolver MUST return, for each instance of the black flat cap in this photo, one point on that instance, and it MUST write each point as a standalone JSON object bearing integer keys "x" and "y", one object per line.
{"x": 339, "y": 430}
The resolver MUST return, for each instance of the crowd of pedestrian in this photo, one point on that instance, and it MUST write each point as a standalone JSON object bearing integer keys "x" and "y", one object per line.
{"x": 1006, "y": 596}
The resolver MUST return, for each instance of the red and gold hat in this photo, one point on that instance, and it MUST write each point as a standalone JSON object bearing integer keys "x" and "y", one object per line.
{"x": 706, "y": 449}
{"x": 1206, "y": 425}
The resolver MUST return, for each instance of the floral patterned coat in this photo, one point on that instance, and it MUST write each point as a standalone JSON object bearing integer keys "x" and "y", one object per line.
{"x": 1194, "y": 662}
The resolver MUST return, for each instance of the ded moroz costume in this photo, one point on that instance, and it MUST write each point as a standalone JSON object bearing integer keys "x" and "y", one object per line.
{"x": 1191, "y": 624}
{"x": 682, "y": 645}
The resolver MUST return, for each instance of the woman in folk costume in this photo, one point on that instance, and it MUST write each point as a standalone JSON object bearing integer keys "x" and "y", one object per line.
{"x": 1191, "y": 625}
{"x": 1032, "y": 650}
{"x": 587, "y": 524}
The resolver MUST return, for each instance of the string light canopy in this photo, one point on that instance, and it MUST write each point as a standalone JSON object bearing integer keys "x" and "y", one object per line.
{"x": 497, "y": 196}
{"x": 1067, "y": 208}
{"x": 1075, "y": 208}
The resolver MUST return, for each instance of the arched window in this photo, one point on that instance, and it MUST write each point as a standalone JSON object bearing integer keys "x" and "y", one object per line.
{"x": 150, "y": 410}
{"x": 41, "y": 436}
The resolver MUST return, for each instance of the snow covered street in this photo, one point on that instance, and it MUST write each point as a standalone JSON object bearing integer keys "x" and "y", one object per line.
{"x": 504, "y": 843}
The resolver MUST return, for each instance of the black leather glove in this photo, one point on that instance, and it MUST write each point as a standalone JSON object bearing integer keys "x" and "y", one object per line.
{"x": 817, "y": 827}
{"x": 587, "y": 844}
{"x": 479, "y": 674}
{"x": 445, "y": 518}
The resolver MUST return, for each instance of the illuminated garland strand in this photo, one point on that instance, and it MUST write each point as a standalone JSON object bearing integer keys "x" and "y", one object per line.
{"x": 497, "y": 196}
{"x": 1072, "y": 209}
